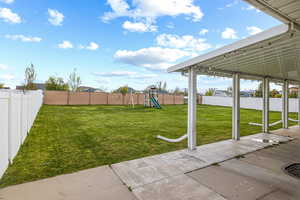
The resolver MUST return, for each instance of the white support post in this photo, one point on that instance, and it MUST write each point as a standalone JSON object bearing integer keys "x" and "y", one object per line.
{"x": 266, "y": 104}
{"x": 236, "y": 107}
{"x": 299, "y": 105}
{"x": 192, "y": 94}
{"x": 285, "y": 104}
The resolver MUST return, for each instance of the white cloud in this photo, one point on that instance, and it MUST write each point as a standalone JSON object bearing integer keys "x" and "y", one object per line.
{"x": 23, "y": 38}
{"x": 3, "y": 67}
{"x": 125, "y": 74}
{"x": 7, "y": 1}
{"x": 186, "y": 42}
{"x": 92, "y": 46}
{"x": 65, "y": 45}
{"x": 149, "y": 9}
{"x": 8, "y": 16}
{"x": 7, "y": 77}
{"x": 152, "y": 57}
{"x": 229, "y": 33}
{"x": 203, "y": 31}
{"x": 139, "y": 27}
{"x": 251, "y": 8}
{"x": 170, "y": 25}
{"x": 229, "y": 5}
{"x": 55, "y": 17}
{"x": 233, "y": 3}
{"x": 253, "y": 30}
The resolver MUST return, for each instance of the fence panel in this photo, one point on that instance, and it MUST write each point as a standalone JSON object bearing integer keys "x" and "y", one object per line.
{"x": 168, "y": 99}
{"x": 56, "y": 97}
{"x": 99, "y": 98}
{"x": 179, "y": 99}
{"x": 79, "y": 98}
{"x": 18, "y": 112}
{"x": 4, "y": 97}
{"x": 251, "y": 103}
{"x": 141, "y": 99}
{"x": 115, "y": 99}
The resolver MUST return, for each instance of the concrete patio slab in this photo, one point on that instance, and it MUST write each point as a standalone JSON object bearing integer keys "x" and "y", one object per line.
{"x": 92, "y": 184}
{"x": 179, "y": 187}
{"x": 280, "y": 181}
{"x": 290, "y": 132}
{"x": 146, "y": 170}
{"x": 139, "y": 172}
{"x": 259, "y": 160}
{"x": 257, "y": 175}
{"x": 230, "y": 184}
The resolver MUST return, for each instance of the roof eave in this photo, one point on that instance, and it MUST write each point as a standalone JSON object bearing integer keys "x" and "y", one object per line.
{"x": 265, "y": 35}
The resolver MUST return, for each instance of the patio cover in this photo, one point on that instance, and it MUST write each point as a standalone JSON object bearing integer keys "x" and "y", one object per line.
{"x": 288, "y": 11}
{"x": 274, "y": 53}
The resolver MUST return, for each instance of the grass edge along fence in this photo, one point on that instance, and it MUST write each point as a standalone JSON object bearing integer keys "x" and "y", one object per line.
{"x": 102, "y": 98}
{"x": 18, "y": 112}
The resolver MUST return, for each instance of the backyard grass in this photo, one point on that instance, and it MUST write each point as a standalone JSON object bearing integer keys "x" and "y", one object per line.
{"x": 66, "y": 139}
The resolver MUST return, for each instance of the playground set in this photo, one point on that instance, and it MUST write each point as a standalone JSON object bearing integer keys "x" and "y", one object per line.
{"x": 151, "y": 98}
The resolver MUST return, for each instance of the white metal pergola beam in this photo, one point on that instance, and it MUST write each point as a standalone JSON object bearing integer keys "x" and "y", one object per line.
{"x": 192, "y": 108}
{"x": 285, "y": 104}
{"x": 236, "y": 106}
{"x": 266, "y": 104}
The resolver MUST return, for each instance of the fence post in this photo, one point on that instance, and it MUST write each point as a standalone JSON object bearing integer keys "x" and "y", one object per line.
{"x": 107, "y": 98}
{"x": 90, "y": 98}
{"x": 68, "y": 98}
{"x": 174, "y": 99}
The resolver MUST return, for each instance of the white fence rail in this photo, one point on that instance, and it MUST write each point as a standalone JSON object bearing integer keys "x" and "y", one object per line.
{"x": 18, "y": 111}
{"x": 251, "y": 103}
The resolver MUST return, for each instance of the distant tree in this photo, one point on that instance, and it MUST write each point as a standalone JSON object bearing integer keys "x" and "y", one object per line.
{"x": 30, "y": 77}
{"x": 293, "y": 95}
{"x": 164, "y": 88}
{"x": 210, "y": 92}
{"x": 185, "y": 91}
{"x": 56, "y": 83}
{"x": 258, "y": 91}
{"x": 278, "y": 95}
{"x": 1, "y": 85}
{"x": 123, "y": 90}
{"x": 273, "y": 93}
{"x": 177, "y": 91}
{"x": 159, "y": 86}
{"x": 74, "y": 81}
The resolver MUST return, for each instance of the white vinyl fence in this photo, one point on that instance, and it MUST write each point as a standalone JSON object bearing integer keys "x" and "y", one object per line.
{"x": 251, "y": 103}
{"x": 18, "y": 111}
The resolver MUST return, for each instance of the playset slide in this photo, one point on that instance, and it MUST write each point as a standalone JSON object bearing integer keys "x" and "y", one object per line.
{"x": 155, "y": 103}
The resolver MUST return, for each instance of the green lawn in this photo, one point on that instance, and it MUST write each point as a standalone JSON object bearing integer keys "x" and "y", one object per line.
{"x": 66, "y": 139}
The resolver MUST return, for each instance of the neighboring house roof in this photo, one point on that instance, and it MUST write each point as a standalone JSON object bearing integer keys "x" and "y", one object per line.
{"x": 39, "y": 86}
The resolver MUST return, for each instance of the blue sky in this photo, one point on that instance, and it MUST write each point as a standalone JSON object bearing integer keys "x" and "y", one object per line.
{"x": 118, "y": 42}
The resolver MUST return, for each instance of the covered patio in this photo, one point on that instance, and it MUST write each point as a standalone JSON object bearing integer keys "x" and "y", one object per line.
{"x": 270, "y": 56}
